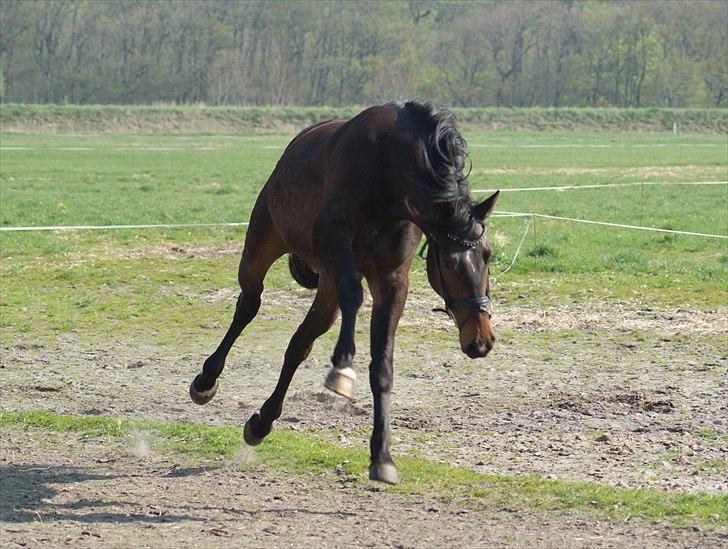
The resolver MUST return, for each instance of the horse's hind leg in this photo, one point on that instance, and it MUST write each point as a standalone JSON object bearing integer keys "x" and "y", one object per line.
{"x": 318, "y": 320}
{"x": 263, "y": 245}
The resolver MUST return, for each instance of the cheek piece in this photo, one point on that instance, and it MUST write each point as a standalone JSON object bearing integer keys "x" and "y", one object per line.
{"x": 481, "y": 303}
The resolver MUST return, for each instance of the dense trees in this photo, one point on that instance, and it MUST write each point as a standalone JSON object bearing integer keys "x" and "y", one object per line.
{"x": 502, "y": 53}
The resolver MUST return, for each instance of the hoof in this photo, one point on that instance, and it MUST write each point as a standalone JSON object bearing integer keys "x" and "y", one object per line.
{"x": 202, "y": 397}
{"x": 248, "y": 436}
{"x": 384, "y": 472}
{"x": 341, "y": 381}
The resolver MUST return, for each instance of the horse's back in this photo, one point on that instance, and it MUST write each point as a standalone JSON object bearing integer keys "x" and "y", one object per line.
{"x": 302, "y": 163}
{"x": 332, "y": 165}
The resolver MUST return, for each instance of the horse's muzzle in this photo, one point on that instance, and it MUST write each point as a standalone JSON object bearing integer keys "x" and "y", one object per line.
{"x": 478, "y": 349}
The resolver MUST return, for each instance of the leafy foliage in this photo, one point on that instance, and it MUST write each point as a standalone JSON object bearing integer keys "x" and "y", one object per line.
{"x": 344, "y": 52}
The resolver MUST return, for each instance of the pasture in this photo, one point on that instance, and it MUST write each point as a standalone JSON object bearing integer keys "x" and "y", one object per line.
{"x": 599, "y": 417}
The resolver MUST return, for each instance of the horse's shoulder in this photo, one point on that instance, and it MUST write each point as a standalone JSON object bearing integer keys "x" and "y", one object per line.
{"x": 387, "y": 245}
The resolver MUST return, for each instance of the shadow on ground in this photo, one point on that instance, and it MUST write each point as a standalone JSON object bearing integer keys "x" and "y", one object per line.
{"x": 28, "y": 491}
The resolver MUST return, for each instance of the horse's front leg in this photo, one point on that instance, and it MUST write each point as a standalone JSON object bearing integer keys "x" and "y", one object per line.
{"x": 389, "y": 293}
{"x": 334, "y": 248}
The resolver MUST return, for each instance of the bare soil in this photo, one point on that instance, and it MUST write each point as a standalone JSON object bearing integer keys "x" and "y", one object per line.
{"x": 56, "y": 492}
{"x": 635, "y": 399}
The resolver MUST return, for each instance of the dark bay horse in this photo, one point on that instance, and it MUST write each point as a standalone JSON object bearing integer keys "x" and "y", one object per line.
{"x": 351, "y": 199}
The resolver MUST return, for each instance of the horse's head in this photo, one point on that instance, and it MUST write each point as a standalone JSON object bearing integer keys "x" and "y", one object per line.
{"x": 457, "y": 268}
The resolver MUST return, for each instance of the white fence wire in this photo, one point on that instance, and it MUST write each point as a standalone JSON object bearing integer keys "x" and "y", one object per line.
{"x": 532, "y": 215}
{"x": 600, "y": 186}
{"x": 245, "y": 224}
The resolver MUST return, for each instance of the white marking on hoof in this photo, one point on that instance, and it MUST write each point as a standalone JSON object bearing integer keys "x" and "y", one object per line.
{"x": 384, "y": 472}
{"x": 202, "y": 397}
{"x": 341, "y": 381}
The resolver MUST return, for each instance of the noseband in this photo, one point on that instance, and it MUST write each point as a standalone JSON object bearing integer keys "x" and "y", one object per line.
{"x": 480, "y": 303}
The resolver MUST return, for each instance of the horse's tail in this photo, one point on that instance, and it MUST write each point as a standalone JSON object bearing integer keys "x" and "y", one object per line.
{"x": 302, "y": 273}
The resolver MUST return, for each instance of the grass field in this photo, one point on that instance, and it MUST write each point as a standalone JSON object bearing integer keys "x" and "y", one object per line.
{"x": 601, "y": 398}
{"x": 77, "y": 180}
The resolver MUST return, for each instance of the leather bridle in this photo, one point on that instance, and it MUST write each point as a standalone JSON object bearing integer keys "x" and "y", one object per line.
{"x": 481, "y": 303}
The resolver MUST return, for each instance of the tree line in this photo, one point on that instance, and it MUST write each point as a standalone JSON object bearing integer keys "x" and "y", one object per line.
{"x": 512, "y": 53}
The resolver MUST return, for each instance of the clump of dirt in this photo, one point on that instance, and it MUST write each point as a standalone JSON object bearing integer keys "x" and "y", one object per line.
{"x": 639, "y": 401}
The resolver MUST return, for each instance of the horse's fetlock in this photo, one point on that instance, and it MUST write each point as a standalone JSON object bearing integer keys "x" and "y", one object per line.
{"x": 271, "y": 412}
{"x": 256, "y": 430}
{"x": 342, "y": 359}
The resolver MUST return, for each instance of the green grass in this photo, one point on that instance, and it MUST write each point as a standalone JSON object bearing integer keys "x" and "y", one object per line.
{"x": 208, "y": 178}
{"x": 708, "y": 433}
{"x": 186, "y": 118}
{"x": 129, "y": 283}
{"x": 308, "y": 454}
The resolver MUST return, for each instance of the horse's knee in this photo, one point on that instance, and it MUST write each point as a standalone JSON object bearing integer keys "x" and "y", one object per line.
{"x": 249, "y": 274}
{"x": 248, "y": 303}
{"x": 381, "y": 376}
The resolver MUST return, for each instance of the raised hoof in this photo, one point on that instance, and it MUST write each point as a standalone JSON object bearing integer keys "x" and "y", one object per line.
{"x": 341, "y": 381}
{"x": 248, "y": 436}
{"x": 202, "y": 397}
{"x": 384, "y": 472}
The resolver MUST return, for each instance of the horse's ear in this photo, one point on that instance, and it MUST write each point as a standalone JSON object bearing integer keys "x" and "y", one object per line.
{"x": 485, "y": 208}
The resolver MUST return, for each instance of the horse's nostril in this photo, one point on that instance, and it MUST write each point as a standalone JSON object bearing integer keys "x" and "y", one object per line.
{"x": 477, "y": 349}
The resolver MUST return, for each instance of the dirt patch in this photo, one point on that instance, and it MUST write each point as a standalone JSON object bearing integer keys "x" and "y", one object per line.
{"x": 639, "y": 401}
{"x": 109, "y": 497}
{"x": 624, "y": 317}
{"x": 593, "y": 317}
{"x": 557, "y": 380}
{"x": 190, "y": 250}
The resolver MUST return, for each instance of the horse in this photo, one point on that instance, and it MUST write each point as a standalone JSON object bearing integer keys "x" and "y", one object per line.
{"x": 351, "y": 199}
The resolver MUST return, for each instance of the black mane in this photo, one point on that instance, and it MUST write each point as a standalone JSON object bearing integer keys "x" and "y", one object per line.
{"x": 442, "y": 154}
